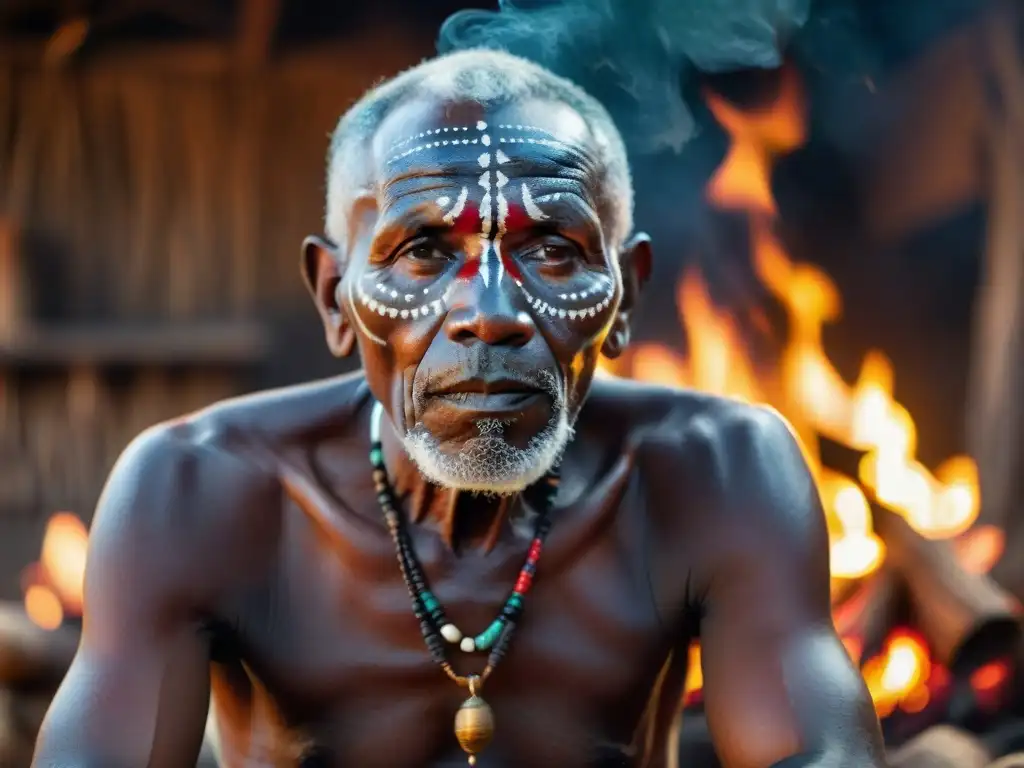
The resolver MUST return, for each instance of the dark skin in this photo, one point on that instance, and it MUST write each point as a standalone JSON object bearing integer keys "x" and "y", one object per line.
{"x": 241, "y": 551}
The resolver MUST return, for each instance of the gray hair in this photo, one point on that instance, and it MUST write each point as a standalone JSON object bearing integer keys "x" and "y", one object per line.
{"x": 488, "y": 77}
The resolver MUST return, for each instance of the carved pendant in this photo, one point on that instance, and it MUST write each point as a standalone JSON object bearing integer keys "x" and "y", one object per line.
{"x": 474, "y": 724}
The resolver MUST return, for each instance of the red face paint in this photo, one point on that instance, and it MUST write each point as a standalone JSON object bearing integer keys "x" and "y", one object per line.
{"x": 467, "y": 222}
{"x": 517, "y": 218}
{"x": 511, "y": 267}
{"x": 469, "y": 269}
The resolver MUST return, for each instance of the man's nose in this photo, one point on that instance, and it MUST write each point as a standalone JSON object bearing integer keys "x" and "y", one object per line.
{"x": 489, "y": 314}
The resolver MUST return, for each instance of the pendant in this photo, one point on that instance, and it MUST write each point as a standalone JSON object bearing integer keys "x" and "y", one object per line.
{"x": 474, "y": 723}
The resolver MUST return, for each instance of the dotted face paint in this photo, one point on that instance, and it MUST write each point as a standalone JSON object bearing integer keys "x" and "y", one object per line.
{"x": 486, "y": 211}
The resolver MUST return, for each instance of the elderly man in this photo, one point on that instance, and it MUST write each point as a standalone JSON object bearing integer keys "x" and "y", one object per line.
{"x": 472, "y": 550}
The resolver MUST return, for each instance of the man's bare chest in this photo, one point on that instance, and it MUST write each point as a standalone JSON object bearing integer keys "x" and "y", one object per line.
{"x": 339, "y": 661}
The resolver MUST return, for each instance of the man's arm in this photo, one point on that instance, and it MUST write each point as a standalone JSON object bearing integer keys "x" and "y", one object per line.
{"x": 779, "y": 687}
{"x": 137, "y": 692}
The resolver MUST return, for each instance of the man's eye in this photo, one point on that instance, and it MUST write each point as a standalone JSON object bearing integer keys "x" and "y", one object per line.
{"x": 552, "y": 252}
{"x": 425, "y": 252}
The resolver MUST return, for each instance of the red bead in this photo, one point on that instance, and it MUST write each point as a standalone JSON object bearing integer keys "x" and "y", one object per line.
{"x": 523, "y": 583}
{"x": 534, "y": 551}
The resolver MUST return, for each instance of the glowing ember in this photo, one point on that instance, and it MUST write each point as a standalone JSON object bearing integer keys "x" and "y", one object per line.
{"x": 898, "y": 675}
{"x": 991, "y": 676}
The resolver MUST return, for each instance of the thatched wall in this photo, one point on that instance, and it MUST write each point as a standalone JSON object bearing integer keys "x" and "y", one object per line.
{"x": 142, "y": 191}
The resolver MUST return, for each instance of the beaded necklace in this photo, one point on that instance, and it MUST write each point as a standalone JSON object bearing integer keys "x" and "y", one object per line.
{"x": 474, "y": 721}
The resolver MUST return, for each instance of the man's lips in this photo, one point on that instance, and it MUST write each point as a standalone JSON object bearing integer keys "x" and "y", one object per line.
{"x": 485, "y": 387}
{"x": 488, "y": 395}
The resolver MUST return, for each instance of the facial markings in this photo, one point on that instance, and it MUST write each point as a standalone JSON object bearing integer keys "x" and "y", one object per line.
{"x": 451, "y": 137}
{"x": 491, "y": 221}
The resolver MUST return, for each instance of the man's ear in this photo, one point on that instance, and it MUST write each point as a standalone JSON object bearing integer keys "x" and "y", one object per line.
{"x": 635, "y": 262}
{"x": 322, "y": 268}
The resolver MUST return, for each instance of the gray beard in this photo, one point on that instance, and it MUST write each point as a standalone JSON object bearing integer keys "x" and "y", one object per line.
{"x": 488, "y": 463}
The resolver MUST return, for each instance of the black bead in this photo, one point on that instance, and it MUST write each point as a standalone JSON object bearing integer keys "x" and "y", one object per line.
{"x": 415, "y": 579}
{"x": 501, "y": 647}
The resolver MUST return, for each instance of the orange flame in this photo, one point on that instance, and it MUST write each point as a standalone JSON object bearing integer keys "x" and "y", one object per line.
{"x": 806, "y": 386}
{"x": 56, "y": 583}
{"x": 898, "y": 675}
{"x": 43, "y": 606}
{"x": 808, "y": 389}
{"x": 743, "y": 180}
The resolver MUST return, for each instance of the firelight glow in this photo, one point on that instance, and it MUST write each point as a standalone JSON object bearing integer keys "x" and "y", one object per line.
{"x": 806, "y": 387}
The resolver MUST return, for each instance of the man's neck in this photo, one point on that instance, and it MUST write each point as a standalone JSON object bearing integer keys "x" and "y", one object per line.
{"x": 465, "y": 520}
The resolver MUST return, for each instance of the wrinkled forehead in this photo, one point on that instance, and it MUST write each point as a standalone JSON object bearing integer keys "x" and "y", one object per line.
{"x": 425, "y": 138}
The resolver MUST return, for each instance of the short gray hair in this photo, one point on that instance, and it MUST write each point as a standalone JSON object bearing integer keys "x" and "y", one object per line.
{"x": 488, "y": 77}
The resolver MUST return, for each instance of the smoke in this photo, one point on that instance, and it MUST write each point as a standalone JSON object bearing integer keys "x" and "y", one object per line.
{"x": 636, "y": 55}
{"x": 642, "y": 58}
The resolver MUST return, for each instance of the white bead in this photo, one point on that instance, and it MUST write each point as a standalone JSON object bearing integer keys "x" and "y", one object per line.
{"x": 467, "y": 645}
{"x": 451, "y": 633}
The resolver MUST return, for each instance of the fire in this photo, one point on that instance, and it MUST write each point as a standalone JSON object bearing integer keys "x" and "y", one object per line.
{"x": 898, "y": 676}
{"x": 759, "y": 136}
{"x": 55, "y": 585}
{"x": 43, "y": 606}
{"x": 809, "y": 390}
{"x": 806, "y": 387}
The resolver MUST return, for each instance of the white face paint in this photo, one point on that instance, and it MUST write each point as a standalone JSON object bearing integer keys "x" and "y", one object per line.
{"x": 511, "y": 216}
{"x": 590, "y": 295}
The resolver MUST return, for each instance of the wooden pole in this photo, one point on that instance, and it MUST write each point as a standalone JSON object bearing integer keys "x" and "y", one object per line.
{"x": 256, "y": 32}
{"x": 995, "y": 410}
{"x": 13, "y": 307}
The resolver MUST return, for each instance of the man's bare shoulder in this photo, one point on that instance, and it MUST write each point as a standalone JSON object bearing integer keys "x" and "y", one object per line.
{"x": 683, "y": 421}
{"x": 277, "y": 417}
{"x": 719, "y": 465}
{"x": 206, "y": 487}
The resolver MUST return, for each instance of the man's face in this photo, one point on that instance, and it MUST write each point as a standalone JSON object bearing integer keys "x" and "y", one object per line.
{"x": 481, "y": 286}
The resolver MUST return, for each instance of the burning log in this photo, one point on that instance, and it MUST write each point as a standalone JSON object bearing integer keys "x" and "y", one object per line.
{"x": 840, "y": 457}
{"x": 31, "y": 657}
{"x": 995, "y": 416}
{"x": 956, "y": 609}
{"x": 866, "y": 617}
{"x": 965, "y": 617}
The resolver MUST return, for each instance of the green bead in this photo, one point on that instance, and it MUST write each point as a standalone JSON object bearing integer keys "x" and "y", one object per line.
{"x": 488, "y": 637}
{"x": 429, "y": 601}
{"x": 516, "y": 599}
{"x": 376, "y": 456}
